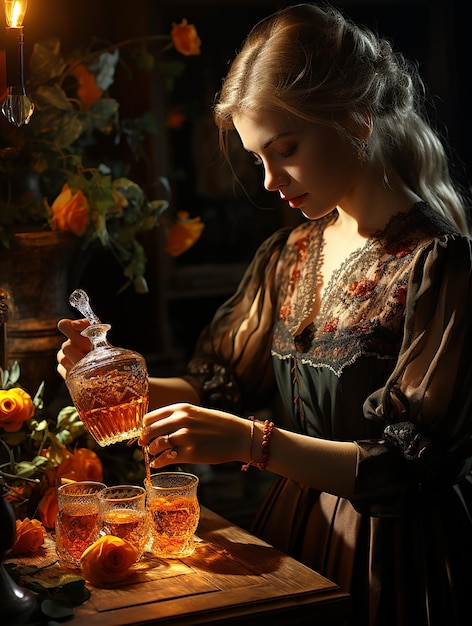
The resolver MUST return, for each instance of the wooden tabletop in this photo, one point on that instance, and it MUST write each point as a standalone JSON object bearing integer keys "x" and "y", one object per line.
{"x": 232, "y": 578}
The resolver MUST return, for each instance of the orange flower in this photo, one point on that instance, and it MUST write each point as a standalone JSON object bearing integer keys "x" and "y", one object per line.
{"x": 70, "y": 212}
{"x": 82, "y": 464}
{"x": 30, "y": 534}
{"x": 183, "y": 234}
{"x": 185, "y": 38}
{"x": 48, "y": 508}
{"x": 107, "y": 560}
{"x": 175, "y": 119}
{"x": 16, "y": 407}
{"x": 88, "y": 91}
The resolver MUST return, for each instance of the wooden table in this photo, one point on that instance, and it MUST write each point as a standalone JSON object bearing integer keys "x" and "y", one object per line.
{"x": 232, "y": 578}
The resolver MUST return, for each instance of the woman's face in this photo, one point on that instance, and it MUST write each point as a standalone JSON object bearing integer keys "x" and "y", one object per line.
{"x": 312, "y": 166}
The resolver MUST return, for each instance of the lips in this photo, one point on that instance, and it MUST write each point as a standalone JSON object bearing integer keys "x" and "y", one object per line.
{"x": 296, "y": 201}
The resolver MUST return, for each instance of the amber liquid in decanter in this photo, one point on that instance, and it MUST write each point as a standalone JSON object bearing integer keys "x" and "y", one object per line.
{"x": 109, "y": 388}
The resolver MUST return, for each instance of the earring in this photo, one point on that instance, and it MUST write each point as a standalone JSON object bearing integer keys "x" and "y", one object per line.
{"x": 363, "y": 151}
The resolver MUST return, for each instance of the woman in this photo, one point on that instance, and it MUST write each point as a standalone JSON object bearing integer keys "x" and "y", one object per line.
{"x": 360, "y": 315}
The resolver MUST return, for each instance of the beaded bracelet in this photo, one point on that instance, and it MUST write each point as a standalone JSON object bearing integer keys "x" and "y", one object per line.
{"x": 266, "y": 436}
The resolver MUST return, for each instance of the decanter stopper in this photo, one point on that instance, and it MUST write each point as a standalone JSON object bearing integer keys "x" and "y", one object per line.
{"x": 80, "y": 301}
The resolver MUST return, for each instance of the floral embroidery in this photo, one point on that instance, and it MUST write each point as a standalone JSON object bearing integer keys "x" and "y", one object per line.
{"x": 285, "y": 311}
{"x": 399, "y": 249}
{"x": 364, "y": 326}
{"x": 361, "y": 288}
{"x": 362, "y": 308}
{"x": 331, "y": 325}
{"x": 294, "y": 277}
{"x": 301, "y": 245}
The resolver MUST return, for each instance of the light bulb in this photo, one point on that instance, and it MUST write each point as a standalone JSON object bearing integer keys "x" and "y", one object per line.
{"x": 17, "y": 107}
{"x": 15, "y": 12}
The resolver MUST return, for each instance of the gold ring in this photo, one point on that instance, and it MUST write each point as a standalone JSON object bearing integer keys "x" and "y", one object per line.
{"x": 172, "y": 454}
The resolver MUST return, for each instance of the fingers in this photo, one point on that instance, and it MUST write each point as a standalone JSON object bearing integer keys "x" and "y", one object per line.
{"x": 75, "y": 347}
{"x": 62, "y": 369}
{"x": 165, "y": 434}
{"x": 72, "y": 328}
{"x": 161, "y": 451}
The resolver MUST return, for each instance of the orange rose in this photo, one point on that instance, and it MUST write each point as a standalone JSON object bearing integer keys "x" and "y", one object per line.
{"x": 48, "y": 508}
{"x": 88, "y": 91}
{"x": 82, "y": 464}
{"x": 16, "y": 407}
{"x": 183, "y": 234}
{"x": 185, "y": 38}
{"x": 70, "y": 212}
{"x": 107, "y": 560}
{"x": 30, "y": 534}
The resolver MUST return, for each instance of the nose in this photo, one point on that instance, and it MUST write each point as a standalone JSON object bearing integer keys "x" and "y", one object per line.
{"x": 274, "y": 179}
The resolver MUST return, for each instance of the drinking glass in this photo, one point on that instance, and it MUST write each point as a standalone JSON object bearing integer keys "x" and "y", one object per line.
{"x": 123, "y": 514}
{"x": 77, "y": 522}
{"x": 174, "y": 513}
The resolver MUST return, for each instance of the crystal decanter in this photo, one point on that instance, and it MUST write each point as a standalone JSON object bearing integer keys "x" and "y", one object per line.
{"x": 109, "y": 385}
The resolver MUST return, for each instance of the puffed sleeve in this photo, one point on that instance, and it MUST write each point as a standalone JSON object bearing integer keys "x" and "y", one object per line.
{"x": 426, "y": 404}
{"x": 231, "y": 367}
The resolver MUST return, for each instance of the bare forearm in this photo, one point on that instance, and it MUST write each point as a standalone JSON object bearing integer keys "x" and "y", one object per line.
{"x": 164, "y": 391}
{"x": 319, "y": 463}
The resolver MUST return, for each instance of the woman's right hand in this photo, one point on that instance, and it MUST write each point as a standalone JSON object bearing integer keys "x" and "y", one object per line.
{"x": 75, "y": 347}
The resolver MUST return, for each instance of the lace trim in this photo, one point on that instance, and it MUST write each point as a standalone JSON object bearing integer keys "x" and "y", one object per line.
{"x": 362, "y": 308}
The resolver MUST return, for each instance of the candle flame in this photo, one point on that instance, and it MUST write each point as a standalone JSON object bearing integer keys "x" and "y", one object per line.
{"x": 15, "y": 12}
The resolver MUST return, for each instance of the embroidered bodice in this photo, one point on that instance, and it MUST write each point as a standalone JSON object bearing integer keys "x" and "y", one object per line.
{"x": 362, "y": 307}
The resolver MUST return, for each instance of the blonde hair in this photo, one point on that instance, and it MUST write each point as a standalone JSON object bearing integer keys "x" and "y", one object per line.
{"x": 313, "y": 63}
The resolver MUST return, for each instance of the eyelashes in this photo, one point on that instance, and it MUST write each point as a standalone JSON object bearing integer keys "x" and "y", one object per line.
{"x": 288, "y": 153}
{"x": 284, "y": 155}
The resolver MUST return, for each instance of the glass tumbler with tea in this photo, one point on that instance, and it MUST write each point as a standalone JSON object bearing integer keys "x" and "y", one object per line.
{"x": 109, "y": 385}
{"x": 174, "y": 513}
{"x": 123, "y": 514}
{"x": 77, "y": 521}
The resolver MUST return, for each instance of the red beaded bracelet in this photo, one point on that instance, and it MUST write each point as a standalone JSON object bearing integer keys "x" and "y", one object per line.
{"x": 266, "y": 436}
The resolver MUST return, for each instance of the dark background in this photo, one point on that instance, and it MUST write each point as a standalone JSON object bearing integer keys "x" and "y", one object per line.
{"x": 184, "y": 293}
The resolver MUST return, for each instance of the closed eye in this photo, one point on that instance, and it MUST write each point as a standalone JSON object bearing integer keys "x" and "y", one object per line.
{"x": 288, "y": 153}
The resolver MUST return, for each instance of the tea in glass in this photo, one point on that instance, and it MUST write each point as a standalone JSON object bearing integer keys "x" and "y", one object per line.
{"x": 77, "y": 522}
{"x": 123, "y": 514}
{"x": 174, "y": 513}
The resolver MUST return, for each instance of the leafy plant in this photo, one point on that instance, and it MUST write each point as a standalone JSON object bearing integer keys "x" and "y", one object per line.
{"x": 69, "y": 168}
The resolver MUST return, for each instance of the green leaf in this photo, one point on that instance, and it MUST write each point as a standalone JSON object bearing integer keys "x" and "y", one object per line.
{"x": 54, "y": 609}
{"x": 15, "y": 571}
{"x": 102, "y": 113}
{"x": 42, "y": 425}
{"x": 75, "y": 591}
{"x": 52, "y": 96}
{"x": 15, "y": 372}
{"x": 69, "y": 131}
{"x": 46, "y": 61}
{"x": 140, "y": 284}
{"x": 25, "y": 469}
{"x": 39, "y": 461}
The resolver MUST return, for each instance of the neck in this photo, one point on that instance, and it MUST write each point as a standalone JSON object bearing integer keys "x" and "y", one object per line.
{"x": 374, "y": 200}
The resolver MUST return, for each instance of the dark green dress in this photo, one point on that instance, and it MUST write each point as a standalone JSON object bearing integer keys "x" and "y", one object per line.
{"x": 386, "y": 363}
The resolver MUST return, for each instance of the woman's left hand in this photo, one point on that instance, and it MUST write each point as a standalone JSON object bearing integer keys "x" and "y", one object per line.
{"x": 186, "y": 433}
